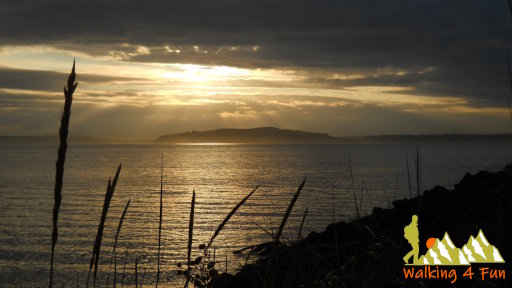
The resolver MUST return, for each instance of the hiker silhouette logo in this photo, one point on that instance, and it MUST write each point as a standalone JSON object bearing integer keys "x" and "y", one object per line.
{"x": 412, "y": 234}
{"x": 444, "y": 252}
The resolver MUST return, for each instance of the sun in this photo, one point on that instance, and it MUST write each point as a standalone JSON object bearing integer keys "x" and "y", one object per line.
{"x": 201, "y": 74}
{"x": 430, "y": 242}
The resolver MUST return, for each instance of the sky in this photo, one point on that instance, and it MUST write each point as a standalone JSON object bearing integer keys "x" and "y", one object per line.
{"x": 347, "y": 68}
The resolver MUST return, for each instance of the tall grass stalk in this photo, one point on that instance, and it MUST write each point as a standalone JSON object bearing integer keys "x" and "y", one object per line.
{"x": 124, "y": 269}
{"x": 136, "y": 272}
{"x": 396, "y": 184}
{"x": 143, "y": 275}
{"x": 288, "y": 211}
{"x": 160, "y": 222}
{"x": 206, "y": 247}
{"x": 509, "y": 72}
{"x": 248, "y": 256}
{"x": 269, "y": 233}
{"x": 115, "y": 272}
{"x": 299, "y": 236}
{"x": 190, "y": 235}
{"x": 97, "y": 244}
{"x": 230, "y": 214}
{"x": 226, "y": 269}
{"x": 61, "y": 159}
{"x": 353, "y": 187}
{"x": 418, "y": 170}
{"x": 408, "y": 173}
{"x": 361, "y": 196}
{"x": 269, "y": 279}
{"x": 115, "y": 241}
{"x": 336, "y": 248}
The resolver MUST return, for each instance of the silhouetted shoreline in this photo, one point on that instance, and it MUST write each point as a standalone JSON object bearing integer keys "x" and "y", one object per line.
{"x": 268, "y": 135}
{"x": 370, "y": 249}
{"x": 271, "y": 135}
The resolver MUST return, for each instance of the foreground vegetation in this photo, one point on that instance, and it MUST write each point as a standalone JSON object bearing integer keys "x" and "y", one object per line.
{"x": 367, "y": 252}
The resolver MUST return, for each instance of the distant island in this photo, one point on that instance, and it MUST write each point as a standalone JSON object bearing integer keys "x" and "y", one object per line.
{"x": 272, "y": 135}
{"x": 268, "y": 135}
{"x": 263, "y": 135}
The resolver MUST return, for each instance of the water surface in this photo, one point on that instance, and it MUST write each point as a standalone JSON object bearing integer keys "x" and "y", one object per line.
{"x": 221, "y": 175}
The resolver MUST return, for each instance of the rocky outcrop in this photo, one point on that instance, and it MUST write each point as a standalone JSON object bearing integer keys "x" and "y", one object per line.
{"x": 368, "y": 252}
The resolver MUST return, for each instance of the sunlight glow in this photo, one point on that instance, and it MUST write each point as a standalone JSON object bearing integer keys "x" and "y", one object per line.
{"x": 236, "y": 94}
{"x": 199, "y": 74}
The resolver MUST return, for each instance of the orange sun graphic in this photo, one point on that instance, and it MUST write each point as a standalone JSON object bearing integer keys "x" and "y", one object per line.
{"x": 430, "y": 242}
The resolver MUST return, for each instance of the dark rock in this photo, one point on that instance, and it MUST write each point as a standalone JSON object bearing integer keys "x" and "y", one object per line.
{"x": 369, "y": 250}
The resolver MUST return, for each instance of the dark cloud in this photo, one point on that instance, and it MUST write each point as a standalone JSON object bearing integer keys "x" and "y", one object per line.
{"x": 23, "y": 79}
{"x": 161, "y": 21}
{"x": 479, "y": 88}
{"x": 464, "y": 40}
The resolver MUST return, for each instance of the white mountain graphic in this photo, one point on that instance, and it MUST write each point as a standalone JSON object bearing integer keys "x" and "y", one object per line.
{"x": 481, "y": 251}
{"x": 476, "y": 250}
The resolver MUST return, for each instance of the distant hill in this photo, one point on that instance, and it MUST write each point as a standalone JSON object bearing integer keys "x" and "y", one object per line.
{"x": 271, "y": 135}
{"x": 267, "y": 135}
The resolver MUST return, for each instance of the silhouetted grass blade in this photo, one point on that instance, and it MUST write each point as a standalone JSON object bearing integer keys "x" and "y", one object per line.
{"x": 268, "y": 280}
{"x": 124, "y": 269}
{"x": 115, "y": 240}
{"x": 160, "y": 221}
{"x": 61, "y": 159}
{"x": 97, "y": 244}
{"x": 190, "y": 235}
{"x": 408, "y": 174}
{"x": 136, "y": 272}
{"x": 226, "y": 219}
{"x": 353, "y": 187}
{"x": 299, "y": 236}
